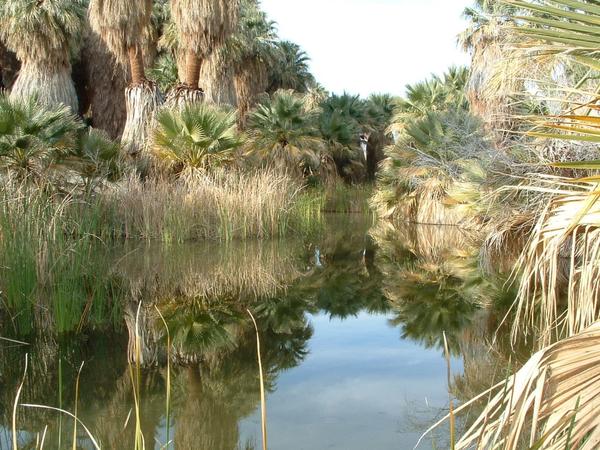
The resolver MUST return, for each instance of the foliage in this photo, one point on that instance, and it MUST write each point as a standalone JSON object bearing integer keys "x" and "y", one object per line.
{"x": 549, "y": 403}
{"x": 290, "y": 69}
{"x": 282, "y": 129}
{"x": 198, "y": 136}
{"x": 164, "y": 72}
{"x": 42, "y": 32}
{"x": 33, "y": 138}
{"x": 432, "y": 95}
{"x": 438, "y": 158}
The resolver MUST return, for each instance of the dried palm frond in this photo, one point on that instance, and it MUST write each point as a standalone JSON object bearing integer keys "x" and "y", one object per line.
{"x": 121, "y": 24}
{"x": 203, "y": 25}
{"x": 552, "y": 402}
{"x": 43, "y": 33}
{"x": 50, "y": 88}
{"x": 142, "y": 102}
{"x": 564, "y": 251}
{"x": 216, "y": 78}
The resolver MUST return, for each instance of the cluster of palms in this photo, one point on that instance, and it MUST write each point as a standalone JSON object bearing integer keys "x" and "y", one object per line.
{"x": 533, "y": 82}
{"x": 193, "y": 85}
{"x": 438, "y": 157}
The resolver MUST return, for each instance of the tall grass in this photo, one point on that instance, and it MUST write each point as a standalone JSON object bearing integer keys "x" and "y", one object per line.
{"x": 203, "y": 206}
{"x": 49, "y": 260}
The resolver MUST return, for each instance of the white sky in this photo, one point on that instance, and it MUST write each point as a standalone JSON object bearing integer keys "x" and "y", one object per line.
{"x": 370, "y": 46}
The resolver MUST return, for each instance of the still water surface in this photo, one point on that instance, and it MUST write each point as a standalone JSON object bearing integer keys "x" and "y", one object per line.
{"x": 351, "y": 322}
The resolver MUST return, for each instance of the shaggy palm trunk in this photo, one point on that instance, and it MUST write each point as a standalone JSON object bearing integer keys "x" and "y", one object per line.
{"x": 217, "y": 80}
{"x": 142, "y": 100}
{"x": 9, "y": 67}
{"x": 188, "y": 92}
{"x": 374, "y": 155}
{"x": 250, "y": 81}
{"x": 105, "y": 82}
{"x": 52, "y": 86}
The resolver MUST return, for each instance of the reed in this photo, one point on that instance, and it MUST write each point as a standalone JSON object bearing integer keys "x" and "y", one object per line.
{"x": 219, "y": 206}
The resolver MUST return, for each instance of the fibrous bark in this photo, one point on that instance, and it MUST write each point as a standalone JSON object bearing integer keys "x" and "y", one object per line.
{"x": 50, "y": 87}
{"x": 106, "y": 82}
{"x": 250, "y": 81}
{"x": 142, "y": 101}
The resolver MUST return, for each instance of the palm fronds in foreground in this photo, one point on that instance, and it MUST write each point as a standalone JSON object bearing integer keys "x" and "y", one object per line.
{"x": 552, "y": 403}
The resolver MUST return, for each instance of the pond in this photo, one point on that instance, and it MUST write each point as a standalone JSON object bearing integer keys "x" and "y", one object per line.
{"x": 351, "y": 320}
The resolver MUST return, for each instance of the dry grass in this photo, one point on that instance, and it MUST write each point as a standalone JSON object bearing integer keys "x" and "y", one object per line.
{"x": 214, "y": 206}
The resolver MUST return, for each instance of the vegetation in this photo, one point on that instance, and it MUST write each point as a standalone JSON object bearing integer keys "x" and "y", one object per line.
{"x": 223, "y": 134}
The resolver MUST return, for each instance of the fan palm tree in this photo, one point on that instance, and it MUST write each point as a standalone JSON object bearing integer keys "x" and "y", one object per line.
{"x": 202, "y": 26}
{"x": 122, "y": 25}
{"x": 484, "y": 38}
{"x": 341, "y": 122}
{"x": 251, "y": 49}
{"x": 379, "y": 112}
{"x": 32, "y": 138}
{"x": 198, "y": 136}
{"x": 43, "y": 34}
{"x": 96, "y": 157}
{"x": 283, "y": 130}
{"x": 291, "y": 69}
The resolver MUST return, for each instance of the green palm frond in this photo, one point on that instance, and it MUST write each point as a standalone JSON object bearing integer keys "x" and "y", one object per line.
{"x": 562, "y": 26}
{"x": 290, "y": 69}
{"x": 32, "y": 137}
{"x": 283, "y": 128}
{"x": 197, "y": 137}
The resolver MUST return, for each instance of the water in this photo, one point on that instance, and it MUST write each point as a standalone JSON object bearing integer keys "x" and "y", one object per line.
{"x": 351, "y": 322}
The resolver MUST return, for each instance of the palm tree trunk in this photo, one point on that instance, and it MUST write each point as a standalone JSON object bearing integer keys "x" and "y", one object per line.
{"x": 142, "y": 100}
{"x": 189, "y": 92}
{"x": 250, "y": 80}
{"x": 193, "y": 64}
{"x": 136, "y": 62}
{"x": 53, "y": 86}
{"x": 106, "y": 84}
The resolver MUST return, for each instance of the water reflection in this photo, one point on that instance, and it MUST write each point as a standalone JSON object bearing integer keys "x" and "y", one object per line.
{"x": 328, "y": 307}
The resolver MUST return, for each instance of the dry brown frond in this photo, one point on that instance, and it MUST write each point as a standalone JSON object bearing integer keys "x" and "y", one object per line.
{"x": 51, "y": 88}
{"x": 552, "y": 402}
{"x": 203, "y": 25}
{"x": 216, "y": 79}
{"x": 564, "y": 252}
{"x": 42, "y": 33}
{"x": 142, "y": 102}
{"x": 121, "y": 24}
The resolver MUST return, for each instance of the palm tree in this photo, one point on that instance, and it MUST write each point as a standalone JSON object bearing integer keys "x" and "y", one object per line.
{"x": 379, "y": 112}
{"x": 106, "y": 83}
{"x": 96, "y": 157}
{"x": 122, "y": 25}
{"x": 484, "y": 38}
{"x": 291, "y": 70}
{"x": 283, "y": 130}
{"x": 32, "y": 138}
{"x": 251, "y": 49}
{"x": 340, "y": 124}
{"x": 202, "y": 26}
{"x": 43, "y": 34}
{"x": 198, "y": 136}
